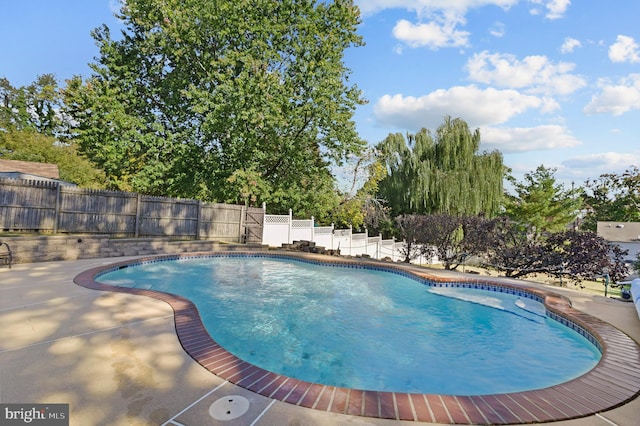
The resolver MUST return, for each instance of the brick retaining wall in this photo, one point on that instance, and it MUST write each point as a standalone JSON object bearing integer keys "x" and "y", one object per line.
{"x": 72, "y": 247}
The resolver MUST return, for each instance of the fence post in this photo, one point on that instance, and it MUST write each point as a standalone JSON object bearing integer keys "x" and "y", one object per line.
{"x": 243, "y": 213}
{"x": 366, "y": 241}
{"x": 290, "y": 226}
{"x": 313, "y": 229}
{"x": 264, "y": 220}
{"x": 350, "y": 239}
{"x": 137, "y": 227}
{"x": 56, "y": 214}
{"x": 333, "y": 228}
{"x": 393, "y": 249}
{"x": 198, "y": 214}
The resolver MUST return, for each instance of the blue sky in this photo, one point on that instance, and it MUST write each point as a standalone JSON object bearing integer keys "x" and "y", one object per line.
{"x": 549, "y": 82}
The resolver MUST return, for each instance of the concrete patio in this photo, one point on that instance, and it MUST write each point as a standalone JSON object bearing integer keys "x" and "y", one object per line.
{"x": 116, "y": 359}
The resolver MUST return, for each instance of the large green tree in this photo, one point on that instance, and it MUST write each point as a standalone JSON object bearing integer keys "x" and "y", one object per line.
{"x": 612, "y": 197}
{"x": 33, "y": 107}
{"x": 358, "y": 205}
{"x": 198, "y": 96}
{"x": 30, "y": 119}
{"x": 441, "y": 173}
{"x": 541, "y": 205}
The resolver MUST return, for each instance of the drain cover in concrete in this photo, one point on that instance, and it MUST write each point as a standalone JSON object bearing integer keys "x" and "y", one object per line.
{"x": 229, "y": 408}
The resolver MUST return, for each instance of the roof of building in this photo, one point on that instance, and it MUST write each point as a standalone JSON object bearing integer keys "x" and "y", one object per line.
{"x": 619, "y": 231}
{"x": 44, "y": 170}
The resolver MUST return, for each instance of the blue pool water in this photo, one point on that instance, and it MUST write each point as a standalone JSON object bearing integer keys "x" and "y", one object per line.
{"x": 370, "y": 329}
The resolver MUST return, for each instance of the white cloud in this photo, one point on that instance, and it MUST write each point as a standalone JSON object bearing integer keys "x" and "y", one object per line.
{"x": 525, "y": 139}
{"x": 569, "y": 45}
{"x": 535, "y": 74}
{"x": 437, "y": 22}
{"x": 478, "y": 107}
{"x": 587, "y": 167}
{"x": 432, "y": 34}
{"x": 603, "y": 161}
{"x": 625, "y": 49}
{"x": 535, "y": 11}
{"x": 422, "y": 7}
{"x": 497, "y": 30}
{"x": 555, "y": 9}
{"x": 616, "y": 98}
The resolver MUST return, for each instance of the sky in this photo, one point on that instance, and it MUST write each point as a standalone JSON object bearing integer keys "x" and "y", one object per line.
{"x": 548, "y": 82}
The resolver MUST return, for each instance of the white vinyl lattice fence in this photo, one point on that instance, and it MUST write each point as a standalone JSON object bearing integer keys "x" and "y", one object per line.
{"x": 283, "y": 229}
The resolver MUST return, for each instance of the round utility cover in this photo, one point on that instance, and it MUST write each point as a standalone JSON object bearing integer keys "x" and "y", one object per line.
{"x": 229, "y": 408}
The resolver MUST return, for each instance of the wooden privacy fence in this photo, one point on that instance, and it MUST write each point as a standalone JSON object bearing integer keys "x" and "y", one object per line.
{"x": 38, "y": 206}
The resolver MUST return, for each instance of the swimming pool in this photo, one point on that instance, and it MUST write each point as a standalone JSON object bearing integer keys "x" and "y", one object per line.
{"x": 369, "y": 328}
{"x": 611, "y": 383}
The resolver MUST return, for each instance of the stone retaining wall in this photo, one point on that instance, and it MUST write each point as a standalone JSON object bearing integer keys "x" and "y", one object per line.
{"x": 72, "y": 247}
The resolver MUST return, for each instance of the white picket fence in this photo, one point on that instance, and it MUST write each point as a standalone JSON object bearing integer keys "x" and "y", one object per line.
{"x": 283, "y": 229}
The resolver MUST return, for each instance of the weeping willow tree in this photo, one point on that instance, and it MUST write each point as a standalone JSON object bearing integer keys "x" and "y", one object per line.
{"x": 441, "y": 172}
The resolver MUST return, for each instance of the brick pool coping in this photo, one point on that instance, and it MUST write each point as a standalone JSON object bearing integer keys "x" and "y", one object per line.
{"x": 613, "y": 382}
